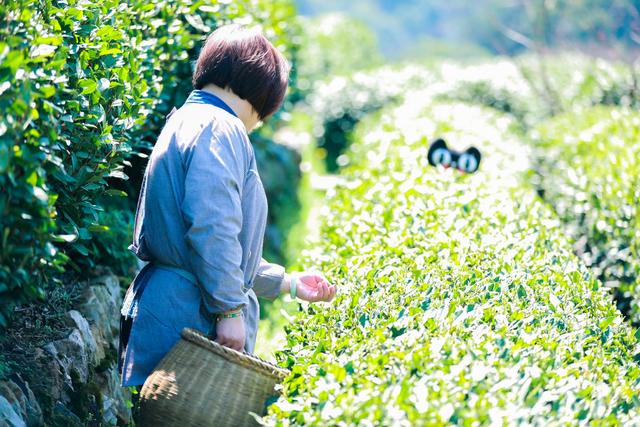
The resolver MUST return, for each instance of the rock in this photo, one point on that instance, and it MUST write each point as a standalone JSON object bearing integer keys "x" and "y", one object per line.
{"x": 14, "y": 396}
{"x": 8, "y": 416}
{"x": 21, "y": 398}
{"x": 100, "y": 305}
{"x": 80, "y": 323}
{"x": 114, "y": 397}
{"x": 62, "y": 416}
{"x": 33, "y": 412}
{"x": 50, "y": 382}
{"x": 72, "y": 376}
{"x": 71, "y": 355}
{"x": 17, "y": 392}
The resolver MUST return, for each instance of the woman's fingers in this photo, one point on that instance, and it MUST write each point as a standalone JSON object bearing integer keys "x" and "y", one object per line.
{"x": 230, "y": 333}
{"x": 317, "y": 278}
{"x": 319, "y": 288}
{"x": 328, "y": 297}
{"x": 324, "y": 291}
{"x": 236, "y": 345}
{"x": 332, "y": 292}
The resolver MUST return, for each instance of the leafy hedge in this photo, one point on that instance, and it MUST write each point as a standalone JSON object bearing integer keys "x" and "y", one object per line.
{"x": 339, "y": 103}
{"x": 280, "y": 173}
{"x": 83, "y": 85}
{"x": 516, "y": 87}
{"x": 460, "y": 300}
{"x": 334, "y": 45}
{"x": 498, "y": 84}
{"x": 577, "y": 81}
{"x": 533, "y": 88}
{"x": 589, "y": 165}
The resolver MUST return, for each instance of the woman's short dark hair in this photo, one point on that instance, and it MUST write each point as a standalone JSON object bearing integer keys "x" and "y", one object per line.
{"x": 245, "y": 61}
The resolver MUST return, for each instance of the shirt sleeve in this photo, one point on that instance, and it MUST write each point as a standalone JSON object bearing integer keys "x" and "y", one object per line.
{"x": 268, "y": 280}
{"x": 213, "y": 220}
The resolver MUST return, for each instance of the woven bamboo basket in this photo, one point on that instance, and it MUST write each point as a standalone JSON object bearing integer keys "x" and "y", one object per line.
{"x": 202, "y": 383}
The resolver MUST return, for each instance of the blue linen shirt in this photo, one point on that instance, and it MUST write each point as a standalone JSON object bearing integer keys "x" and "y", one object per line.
{"x": 203, "y": 209}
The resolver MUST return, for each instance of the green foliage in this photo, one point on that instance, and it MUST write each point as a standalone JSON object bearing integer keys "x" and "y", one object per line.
{"x": 482, "y": 93}
{"x": 532, "y": 88}
{"x": 339, "y": 103}
{"x": 334, "y": 45}
{"x": 460, "y": 300}
{"x": 110, "y": 247}
{"x": 537, "y": 89}
{"x": 566, "y": 81}
{"x": 431, "y": 49}
{"x": 84, "y": 84}
{"x": 497, "y": 83}
{"x": 280, "y": 174}
{"x": 500, "y": 26}
{"x": 335, "y": 52}
{"x": 589, "y": 166}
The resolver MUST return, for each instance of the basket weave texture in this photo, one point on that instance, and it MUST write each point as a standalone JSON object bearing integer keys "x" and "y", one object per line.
{"x": 202, "y": 383}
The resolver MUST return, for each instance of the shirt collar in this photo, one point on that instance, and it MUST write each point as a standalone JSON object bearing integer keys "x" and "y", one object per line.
{"x": 198, "y": 96}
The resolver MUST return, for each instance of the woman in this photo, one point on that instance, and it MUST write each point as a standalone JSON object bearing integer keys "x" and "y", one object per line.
{"x": 202, "y": 212}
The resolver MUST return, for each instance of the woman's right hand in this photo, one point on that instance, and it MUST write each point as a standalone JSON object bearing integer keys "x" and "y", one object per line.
{"x": 230, "y": 333}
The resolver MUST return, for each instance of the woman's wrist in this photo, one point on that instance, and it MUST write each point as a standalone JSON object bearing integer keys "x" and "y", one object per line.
{"x": 236, "y": 312}
{"x": 289, "y": 285}
{"x": 285, "y": 285}
{"x": 293, "y": 287}
{"x": 230, "y": 315}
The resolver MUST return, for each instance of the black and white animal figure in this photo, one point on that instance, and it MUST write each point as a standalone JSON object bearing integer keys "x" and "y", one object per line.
{"x": 466, "y": 161}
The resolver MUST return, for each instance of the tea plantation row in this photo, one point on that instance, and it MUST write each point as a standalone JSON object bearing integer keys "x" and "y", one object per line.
{"x": 460, "y": 301}
{"x": 587, "y": 157}
{"x": 589, "y": 166}
{"x": 598, "y": 197}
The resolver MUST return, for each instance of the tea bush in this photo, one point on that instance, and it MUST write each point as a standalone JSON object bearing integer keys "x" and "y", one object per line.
{"x": 533, "y": 88}
{"x": 339, "y": 103}
{"x": 460, "y": 300}
{"x": 498, "y": 84}
{"x": 589, "y": 166}
{"x": 280, "y": 174}
{"x": 334, "y": 45}
{"x": 578, "y": 81}
{"x": 84, "y": 84}
{"x": 514, "y": 87}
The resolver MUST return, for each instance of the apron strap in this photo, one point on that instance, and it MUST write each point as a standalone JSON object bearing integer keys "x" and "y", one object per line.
{"x": 182, "y": 272}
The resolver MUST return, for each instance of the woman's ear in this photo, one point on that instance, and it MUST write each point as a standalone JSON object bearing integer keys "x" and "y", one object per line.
{"x": 255, "y": 119}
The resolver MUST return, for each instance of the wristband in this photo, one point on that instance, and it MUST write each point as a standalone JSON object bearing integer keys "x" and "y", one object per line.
{"x": 230, "y": 315}
{"x": 292, "y": 287}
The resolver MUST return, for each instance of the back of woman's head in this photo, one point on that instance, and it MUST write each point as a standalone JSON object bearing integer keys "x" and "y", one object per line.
{"x": 244, "y": 61}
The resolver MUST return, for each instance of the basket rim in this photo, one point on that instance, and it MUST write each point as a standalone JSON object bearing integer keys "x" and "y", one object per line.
{"x": 245, "y": 359}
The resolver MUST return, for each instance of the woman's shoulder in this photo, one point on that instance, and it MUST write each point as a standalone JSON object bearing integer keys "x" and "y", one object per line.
{"x": 201, "y": 125}
{"x": 203, "y": 117}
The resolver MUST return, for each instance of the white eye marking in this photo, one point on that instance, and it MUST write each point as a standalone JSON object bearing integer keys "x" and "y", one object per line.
{"x": 467, "y": 162}
{"x": 441, "y": 156}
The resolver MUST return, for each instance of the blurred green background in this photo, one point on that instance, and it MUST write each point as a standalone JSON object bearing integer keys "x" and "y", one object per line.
{"x": 420, "y": 28}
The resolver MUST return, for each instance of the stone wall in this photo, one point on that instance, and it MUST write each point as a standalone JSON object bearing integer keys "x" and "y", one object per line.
{"x": 75, "y": 381}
